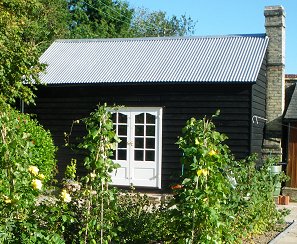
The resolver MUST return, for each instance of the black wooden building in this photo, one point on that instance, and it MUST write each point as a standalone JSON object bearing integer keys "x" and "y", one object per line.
{"x": 162, "y": 82}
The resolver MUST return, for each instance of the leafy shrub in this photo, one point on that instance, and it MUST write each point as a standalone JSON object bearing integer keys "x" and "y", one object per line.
{"x": 26, "y": 161}
{"x": 253, "y": 196}
{"x": 26, "y": 141}
{"x": 142, "y": 220}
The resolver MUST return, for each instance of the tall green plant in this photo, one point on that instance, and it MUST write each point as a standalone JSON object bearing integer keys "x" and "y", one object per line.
{"x": 100, "y": 141}
{"x": 220, "y": 199}
{"x": 206, "y": 188}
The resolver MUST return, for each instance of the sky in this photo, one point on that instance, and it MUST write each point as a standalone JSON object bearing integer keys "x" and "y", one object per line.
{"x": 221, "y": 17}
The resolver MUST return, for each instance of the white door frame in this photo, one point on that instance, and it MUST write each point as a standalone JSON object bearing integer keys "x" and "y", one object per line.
{"x": 131, "y": 163}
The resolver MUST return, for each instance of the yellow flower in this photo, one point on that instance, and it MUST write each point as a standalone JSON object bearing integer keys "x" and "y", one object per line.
{"x": 33, "y": 170}
{"x": 196, "y": 141}
{"x": 41, "y": 176}
{"x": 212, "y": 152}
{"x": 65, "y": 196}
{"x": 36, "y": 184}
{"x": 203, "y": 172}
{"x": 7, "y": 200}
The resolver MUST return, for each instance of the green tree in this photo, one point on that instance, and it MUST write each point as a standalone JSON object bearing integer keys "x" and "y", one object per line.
{"x": 108, "y": 19}
{"x": 26, "y": 30}
{"x": 156, "y": 23}
{"x": 99, "y": 18}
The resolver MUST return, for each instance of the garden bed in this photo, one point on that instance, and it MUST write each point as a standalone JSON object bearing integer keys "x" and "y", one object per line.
{"x": 269, "y": 236}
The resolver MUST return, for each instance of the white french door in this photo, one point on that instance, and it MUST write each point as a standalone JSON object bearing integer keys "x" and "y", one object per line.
{"x": 139, "y": 152}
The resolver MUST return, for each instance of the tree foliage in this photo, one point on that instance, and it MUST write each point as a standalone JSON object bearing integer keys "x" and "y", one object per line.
{"x": 99, "y": 18}
{"x": 26, "y": 29}
{"x": 156, "y": 23}
{"x": 107, "y": 18}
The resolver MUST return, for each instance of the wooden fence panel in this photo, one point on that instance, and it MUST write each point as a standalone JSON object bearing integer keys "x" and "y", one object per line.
{"x": 292, "y": 159}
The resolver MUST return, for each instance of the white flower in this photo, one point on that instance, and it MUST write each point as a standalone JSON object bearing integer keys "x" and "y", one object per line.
{"x": 65, "y": 196}
{"x": 33, "y": 170}
{"x": 36, "y": 184}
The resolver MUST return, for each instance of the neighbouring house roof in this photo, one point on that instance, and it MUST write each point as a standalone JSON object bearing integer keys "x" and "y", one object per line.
{"x": 230, "y": 58}
{"x": 291, "y": 113}
{"x": 291, "y": 76}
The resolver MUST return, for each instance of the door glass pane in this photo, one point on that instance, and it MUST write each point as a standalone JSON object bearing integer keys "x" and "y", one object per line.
{"x": 114, "y": 117}
{"x": 139, "y": 119}
{"x": 150, "y": 130}
{"x": 122, "y": 154}
{"x": 149, "y": 155}
{"x": 150, "y": 143}
{"x": 150, "y": 119}
{"x": 138, "y": 155}
{"x": 139, "y": 130}
{"x": 123, "y": 143}
{"x": 122, "y": 130}
{"x": 122, "y": 118}
{"x": 139, "y": 142}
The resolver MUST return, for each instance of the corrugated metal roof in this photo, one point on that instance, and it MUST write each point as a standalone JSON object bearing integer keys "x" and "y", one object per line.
{"x": 232, "y": 58}
{"x": 291, "y": 113}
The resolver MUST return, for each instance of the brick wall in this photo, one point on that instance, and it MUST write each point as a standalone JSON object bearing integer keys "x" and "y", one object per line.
{"x": 275, "y": 30}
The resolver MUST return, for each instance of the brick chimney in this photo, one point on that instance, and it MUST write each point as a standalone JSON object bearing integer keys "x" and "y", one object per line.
{"x": 275, "y": 94}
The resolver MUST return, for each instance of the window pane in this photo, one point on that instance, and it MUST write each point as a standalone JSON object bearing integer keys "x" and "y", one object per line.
{"x": 123, "y": 143}
{"x": 122, "y": 155}
{"x": 122, "y": 130}
{"x": 139, "y": 119}
{"x": 150, "y": 143}
{"x": 114, "y": 117}
{"x": 139, "y": 130}
{"x": 138, "y": 155}
{"x": 150, "y": 130}
{"x": 139, "y": 142}
{"x": 150, "y": 119}
{"x": 149, "y": 155}
{"x": 122, "y": 118}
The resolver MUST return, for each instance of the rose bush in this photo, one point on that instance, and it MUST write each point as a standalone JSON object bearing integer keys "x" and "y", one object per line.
{"x": 27, "y": 160}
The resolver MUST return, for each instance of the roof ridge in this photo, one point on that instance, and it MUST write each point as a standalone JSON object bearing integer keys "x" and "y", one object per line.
{"x": 259, "y": 35}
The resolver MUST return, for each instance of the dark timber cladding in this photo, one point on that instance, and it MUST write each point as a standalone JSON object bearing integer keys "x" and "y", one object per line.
{"x": 258, "y": 109}
{"x": 58, "y": 106}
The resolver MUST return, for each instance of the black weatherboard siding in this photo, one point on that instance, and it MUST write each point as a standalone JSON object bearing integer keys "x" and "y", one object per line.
{"x": 259, "y": 109}
{"x": 58, "y": 106}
